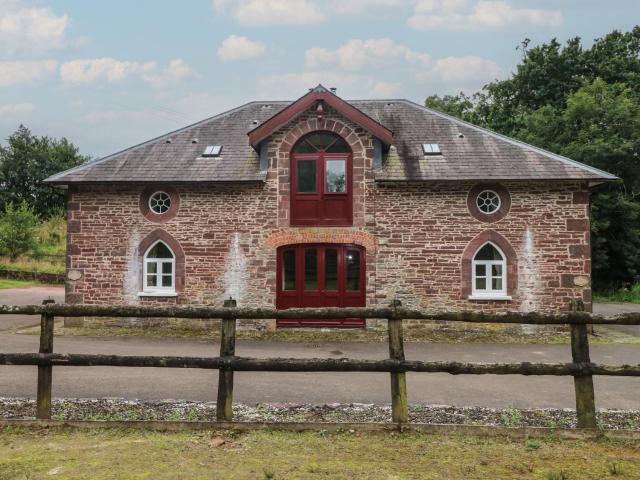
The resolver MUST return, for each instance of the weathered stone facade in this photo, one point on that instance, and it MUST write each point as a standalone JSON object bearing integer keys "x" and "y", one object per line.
{"x": 416, "y": 234}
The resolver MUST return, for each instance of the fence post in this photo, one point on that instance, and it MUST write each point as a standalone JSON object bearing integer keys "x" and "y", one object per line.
{"x": 224, "y": 410}
{"x": 399, "y": 407}
{"x": 45, "y": 372}
{"x": 585, "y": 395}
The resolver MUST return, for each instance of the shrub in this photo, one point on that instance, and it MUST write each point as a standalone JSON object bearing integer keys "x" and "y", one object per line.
{"x": 17, "y": 230}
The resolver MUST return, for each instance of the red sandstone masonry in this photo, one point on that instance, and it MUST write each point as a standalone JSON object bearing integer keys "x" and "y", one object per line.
{"x": 415, "y": 234}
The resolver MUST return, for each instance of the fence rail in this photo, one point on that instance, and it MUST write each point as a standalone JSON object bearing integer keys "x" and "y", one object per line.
{"x": 581, "y": 368}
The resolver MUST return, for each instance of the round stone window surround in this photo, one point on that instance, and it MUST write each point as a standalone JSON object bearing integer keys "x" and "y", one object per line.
{"x": 503, "y": 208}
{"x": 145, "y": 203}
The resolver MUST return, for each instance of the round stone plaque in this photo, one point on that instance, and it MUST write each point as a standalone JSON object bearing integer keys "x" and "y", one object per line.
{"x": 74, "y": 275}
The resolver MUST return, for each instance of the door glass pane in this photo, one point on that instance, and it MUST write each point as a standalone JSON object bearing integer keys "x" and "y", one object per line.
{"x": 353, "y": 270}
{"x": 331, "y": 270}
{"x": 289, "y": 270}
{"x": 306, "y": 176}
{"x": 311, "y": 269}
{"x": 335, "y": 181}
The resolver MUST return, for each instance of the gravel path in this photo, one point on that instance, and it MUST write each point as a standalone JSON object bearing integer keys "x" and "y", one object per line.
{"x": 121, "y": 409}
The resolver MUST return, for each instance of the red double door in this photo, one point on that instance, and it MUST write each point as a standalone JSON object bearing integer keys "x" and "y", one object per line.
{"x": 313, "y": 275}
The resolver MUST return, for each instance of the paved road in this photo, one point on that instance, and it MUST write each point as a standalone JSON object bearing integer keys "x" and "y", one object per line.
{"x": 618, "y": 308}
{"x": 26, "y": 296}
{"x": 154, "y": 383}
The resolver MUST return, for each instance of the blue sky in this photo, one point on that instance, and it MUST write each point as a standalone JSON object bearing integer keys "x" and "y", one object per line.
{"x": 110, "y": 74}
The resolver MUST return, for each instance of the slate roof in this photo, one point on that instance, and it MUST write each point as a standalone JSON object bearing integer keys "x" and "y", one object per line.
{"x": 468, "y": 152}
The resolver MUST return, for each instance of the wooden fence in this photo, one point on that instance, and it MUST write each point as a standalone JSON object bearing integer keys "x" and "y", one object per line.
{"x": 581, "y": 368}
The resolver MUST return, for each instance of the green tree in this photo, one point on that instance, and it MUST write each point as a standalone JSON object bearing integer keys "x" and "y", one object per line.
{"x": 26, "y": 161}
{"x": 583, "y": 104}
{"x": 17, "y": 230}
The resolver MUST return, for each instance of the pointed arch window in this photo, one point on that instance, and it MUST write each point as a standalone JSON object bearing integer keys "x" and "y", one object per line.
{"x": 489, "y": 272}
{"x": 159, "y": 274}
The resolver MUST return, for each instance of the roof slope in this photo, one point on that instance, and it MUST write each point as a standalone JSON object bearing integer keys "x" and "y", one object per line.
{"x": 468, "y": 152}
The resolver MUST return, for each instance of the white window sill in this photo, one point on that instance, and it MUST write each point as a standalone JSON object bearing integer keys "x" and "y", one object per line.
{"x": 157, "y": 294}
{"x": 490, "y": 297}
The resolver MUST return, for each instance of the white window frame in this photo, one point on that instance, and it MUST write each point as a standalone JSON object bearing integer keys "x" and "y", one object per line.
{"x": 497, "y": 196}
{"x": 158, "y": 193}
{"x": 158, "y": 290}
{"x": 489, "y": 293}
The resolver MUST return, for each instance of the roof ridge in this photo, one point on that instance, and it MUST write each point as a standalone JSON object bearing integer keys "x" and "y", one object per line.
{"x": 97, "y": 161}
{"x": 513, "y": 141}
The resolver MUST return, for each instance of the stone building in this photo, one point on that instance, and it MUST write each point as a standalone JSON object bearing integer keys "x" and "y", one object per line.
{"x": 327, "y": 202}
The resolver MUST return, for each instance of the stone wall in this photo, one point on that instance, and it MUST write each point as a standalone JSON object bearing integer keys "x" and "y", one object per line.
{"x": 416, "y": 235}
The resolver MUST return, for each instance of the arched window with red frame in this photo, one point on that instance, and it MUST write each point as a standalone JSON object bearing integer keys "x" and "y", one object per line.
{"x": 321, "y": 181}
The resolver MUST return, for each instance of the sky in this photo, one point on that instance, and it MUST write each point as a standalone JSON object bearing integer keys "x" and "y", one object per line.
{"x": 110, "y": 74}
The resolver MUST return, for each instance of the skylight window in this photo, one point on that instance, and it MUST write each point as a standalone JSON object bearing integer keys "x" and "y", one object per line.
{"x": 431, "y": 149}
{"x": 212, "y": 151}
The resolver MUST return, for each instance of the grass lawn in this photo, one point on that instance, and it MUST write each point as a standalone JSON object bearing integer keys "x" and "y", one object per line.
{"x": 129, "y": 454}
{"x": 628, "y": 294}
{"x": 8, "y": 283}
{"x": 26, "y": 264}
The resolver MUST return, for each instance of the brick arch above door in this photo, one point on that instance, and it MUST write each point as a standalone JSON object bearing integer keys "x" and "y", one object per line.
{"x": 315, "y": 235}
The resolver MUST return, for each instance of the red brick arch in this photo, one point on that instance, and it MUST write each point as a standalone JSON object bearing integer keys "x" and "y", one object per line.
{"x": 176, "y": 248}
{"x": 318, "y": 235}
{"x": 470, "y": 251}
{"x": 312, "y": 125}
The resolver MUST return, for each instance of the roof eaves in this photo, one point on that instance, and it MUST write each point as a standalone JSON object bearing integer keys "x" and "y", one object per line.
{"x": 601, "y": 174}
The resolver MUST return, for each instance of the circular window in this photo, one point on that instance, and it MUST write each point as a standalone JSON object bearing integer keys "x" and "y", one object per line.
{"x": 488, "y": 202}
{"x": 159, "y": 202}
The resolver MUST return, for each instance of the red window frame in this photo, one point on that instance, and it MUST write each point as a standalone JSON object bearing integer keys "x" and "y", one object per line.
{"x": 324, "y": 202}
{"x": 320, "y": 297}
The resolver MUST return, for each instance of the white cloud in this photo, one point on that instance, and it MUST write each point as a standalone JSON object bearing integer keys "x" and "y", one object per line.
{"x": 357, "y": 55}
{"x": 452, "y": 15}
{"x": 381, "y": 67}
{"x": 462, "y": 72}
{"x": 17, "y": 109}
{"x": 174, "y": 73}
{"x": 19, "y": 73}
{"x": 235, "y": 47}
{"x": 272, "y": 12}
{"x": 254, "y": 13}
{"x": 31, "y": 29}
{"x": 110, "y": 70}
{"x": 351, "y": 7}
{"x": 423, "y": 6}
